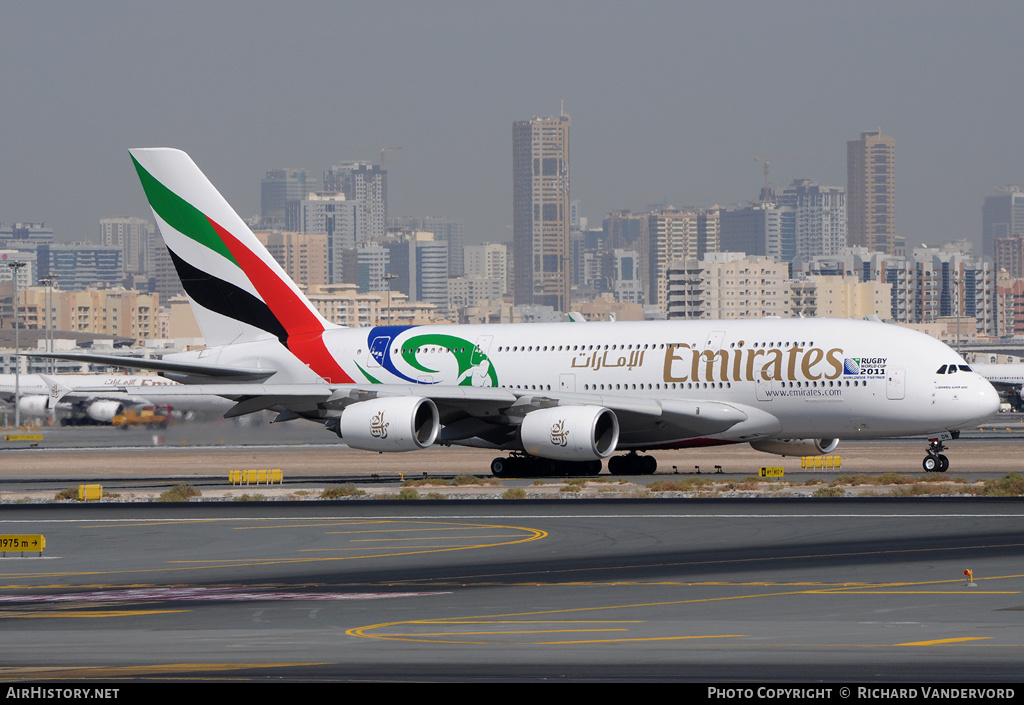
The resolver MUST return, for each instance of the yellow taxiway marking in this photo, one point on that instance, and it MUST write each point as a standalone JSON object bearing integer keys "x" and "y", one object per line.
{"x": 944, "y": 641}
{"x": 106, "y": 672}
{"x": 85, "y": 613}
{"x": 528, "y": 534}
{"x": 500, "y": 634}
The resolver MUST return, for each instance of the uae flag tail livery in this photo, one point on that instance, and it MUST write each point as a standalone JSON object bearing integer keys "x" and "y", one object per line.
{"x": 237, "y": 290}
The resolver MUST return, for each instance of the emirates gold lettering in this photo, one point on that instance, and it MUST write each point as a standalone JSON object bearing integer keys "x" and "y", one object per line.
{"x": 686, "y": 364}
{"x": 559, "y": 436}
{"x": 378, "y": 427}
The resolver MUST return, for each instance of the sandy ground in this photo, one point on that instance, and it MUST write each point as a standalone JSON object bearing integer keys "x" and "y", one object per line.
{"x": 971, "y": 459}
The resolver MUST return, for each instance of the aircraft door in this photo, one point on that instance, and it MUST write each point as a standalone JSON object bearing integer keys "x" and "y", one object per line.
{"x": 764, "y": 388}
{"x": 567, "y": 382}
{"x": 714, "y": 341}
{"x": 482, "y": 348}
{"x": 378, "y": 350}
{"x": 895, "y": 384}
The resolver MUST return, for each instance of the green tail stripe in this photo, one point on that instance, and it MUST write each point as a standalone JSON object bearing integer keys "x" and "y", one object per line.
{"x": 180, "y": 214}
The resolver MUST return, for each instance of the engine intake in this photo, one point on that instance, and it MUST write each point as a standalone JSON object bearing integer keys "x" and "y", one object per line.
{"x": 570, "y": 432}
{"x": 797, "y": 446}
{"x": 390, "y": 424}
{"x": 34, "y": 405}
{"x": 104, "y": 411}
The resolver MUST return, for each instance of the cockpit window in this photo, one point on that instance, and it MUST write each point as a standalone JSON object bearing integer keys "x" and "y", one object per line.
{"x": 964, "y": 368}
{"x": 951, "y": 370}
{"x": 941, "y": 370}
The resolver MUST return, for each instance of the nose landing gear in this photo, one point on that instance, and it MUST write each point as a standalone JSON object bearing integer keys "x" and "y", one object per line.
{"x": 935, "y": 461}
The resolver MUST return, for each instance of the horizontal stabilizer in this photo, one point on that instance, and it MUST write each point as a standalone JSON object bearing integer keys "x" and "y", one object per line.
{"x": 190, "y": 369}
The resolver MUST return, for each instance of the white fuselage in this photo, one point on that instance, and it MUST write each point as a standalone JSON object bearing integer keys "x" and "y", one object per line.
{"x": 815, "y": 377}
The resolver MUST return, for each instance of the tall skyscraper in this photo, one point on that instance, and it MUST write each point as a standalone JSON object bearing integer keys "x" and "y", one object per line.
{"x": 367, "y": 186}
{"x": 1001, "y": 216}
{"x": 871, "y": 192}
{"x": 540, "y": 211}
{"x": 820, "y": 217}
{"x": 336, "y": 217}
{"x": 671, "y": 235}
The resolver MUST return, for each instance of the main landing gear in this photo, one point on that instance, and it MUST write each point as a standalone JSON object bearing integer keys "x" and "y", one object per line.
{"x": 522, "y": 465}
{"x": 632, "y": 464}
{"x": 935, "y": 461}
{"x": 532, "y": 466}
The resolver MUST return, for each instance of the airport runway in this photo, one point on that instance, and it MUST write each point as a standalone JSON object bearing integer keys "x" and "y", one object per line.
{"x": 704, "y": 590}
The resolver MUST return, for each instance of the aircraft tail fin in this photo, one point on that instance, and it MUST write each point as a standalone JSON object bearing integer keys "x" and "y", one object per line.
{"x": 238, "y": 291}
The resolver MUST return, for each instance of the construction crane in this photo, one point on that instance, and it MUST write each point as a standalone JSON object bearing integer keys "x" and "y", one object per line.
{"x": 767, "y": 167}
{"x": 382, "y": 147}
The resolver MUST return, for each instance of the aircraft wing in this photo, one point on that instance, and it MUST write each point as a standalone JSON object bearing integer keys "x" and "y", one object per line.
{"x": 488, "y": 412}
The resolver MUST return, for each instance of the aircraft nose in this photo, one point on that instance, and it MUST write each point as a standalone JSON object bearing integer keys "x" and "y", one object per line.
{"x": 985, "y": 401}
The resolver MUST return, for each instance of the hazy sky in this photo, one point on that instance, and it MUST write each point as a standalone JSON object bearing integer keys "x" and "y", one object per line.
{"x": 670, "y": 101}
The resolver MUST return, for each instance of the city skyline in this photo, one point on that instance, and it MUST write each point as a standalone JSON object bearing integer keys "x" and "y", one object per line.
{"x": 670, "y": 103}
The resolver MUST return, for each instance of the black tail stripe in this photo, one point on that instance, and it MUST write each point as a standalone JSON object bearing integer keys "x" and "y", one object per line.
{"x": 227, "y": 299}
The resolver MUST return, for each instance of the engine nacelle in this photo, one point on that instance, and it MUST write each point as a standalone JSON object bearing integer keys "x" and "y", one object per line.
{"x": 390, "y": 424}
{"x": 797, "y": 446}
{"x": 104, "y": 411}
{"x": 570, "y": 432}
{"x": 34, "y": 405}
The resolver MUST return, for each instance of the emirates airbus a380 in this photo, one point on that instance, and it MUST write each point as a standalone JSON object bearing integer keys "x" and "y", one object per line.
{"x": 559, "y": 397}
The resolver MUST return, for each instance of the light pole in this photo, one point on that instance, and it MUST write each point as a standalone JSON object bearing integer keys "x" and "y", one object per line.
{"x": 388, "y": 278}
{"x": 48, "y": 281}
{"x": 15, "y": 265}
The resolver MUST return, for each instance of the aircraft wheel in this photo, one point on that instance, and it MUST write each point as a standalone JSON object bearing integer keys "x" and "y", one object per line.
{"x": 649, "y": 465}
{"x": 501, "y": 467}
{"x": 930, "y": 463}
{"x": 943, "y": 464}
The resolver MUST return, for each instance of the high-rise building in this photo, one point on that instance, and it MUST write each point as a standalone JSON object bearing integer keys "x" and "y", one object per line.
{"x": 820, "y": 217}
{"x": 303, "y": 256}
{"x": 675, "y": 235}
{"x": 489, "y": 261}
{"x": 419, "y": 265}
{"x": 1001, "y": 216}
{"x": 540, "y": 211}
{"x": 76, "y": 266}
{"x": 279, "y": 188}
{"x": 764, "y": 228}
{"x": 134, "y": 236}
{"x": 871, "y": 192}
{"x": 367, "y": 186}
{"x": 333, "y": 215}
{"x": 451, "y": 230}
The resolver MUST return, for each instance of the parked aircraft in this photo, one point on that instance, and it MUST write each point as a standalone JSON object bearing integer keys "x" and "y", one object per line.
{"x": 560, "y": 397}
{"x": 1008, "y": 378}
{"x": 40, "y": 395}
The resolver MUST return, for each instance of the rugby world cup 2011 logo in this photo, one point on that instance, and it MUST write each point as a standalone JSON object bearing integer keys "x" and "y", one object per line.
{"x": 559, "y": 434}
{"x": 378, "y": 427}
{"x": 851, "y": 366}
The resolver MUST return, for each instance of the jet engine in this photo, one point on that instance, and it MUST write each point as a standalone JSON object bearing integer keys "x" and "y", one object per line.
{"x": 389, "y": 424}
{"x": 797, "y": 446}
{"x": 570, "y": 433}
{"x": 34, "y": 405}
{"x": 104, "y": 411}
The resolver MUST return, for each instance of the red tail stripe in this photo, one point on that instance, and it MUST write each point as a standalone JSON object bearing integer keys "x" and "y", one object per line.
{"x": 305, "y": 331}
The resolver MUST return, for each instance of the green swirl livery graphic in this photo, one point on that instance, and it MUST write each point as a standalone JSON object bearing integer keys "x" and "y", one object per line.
{"x": 475, "y": 368}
